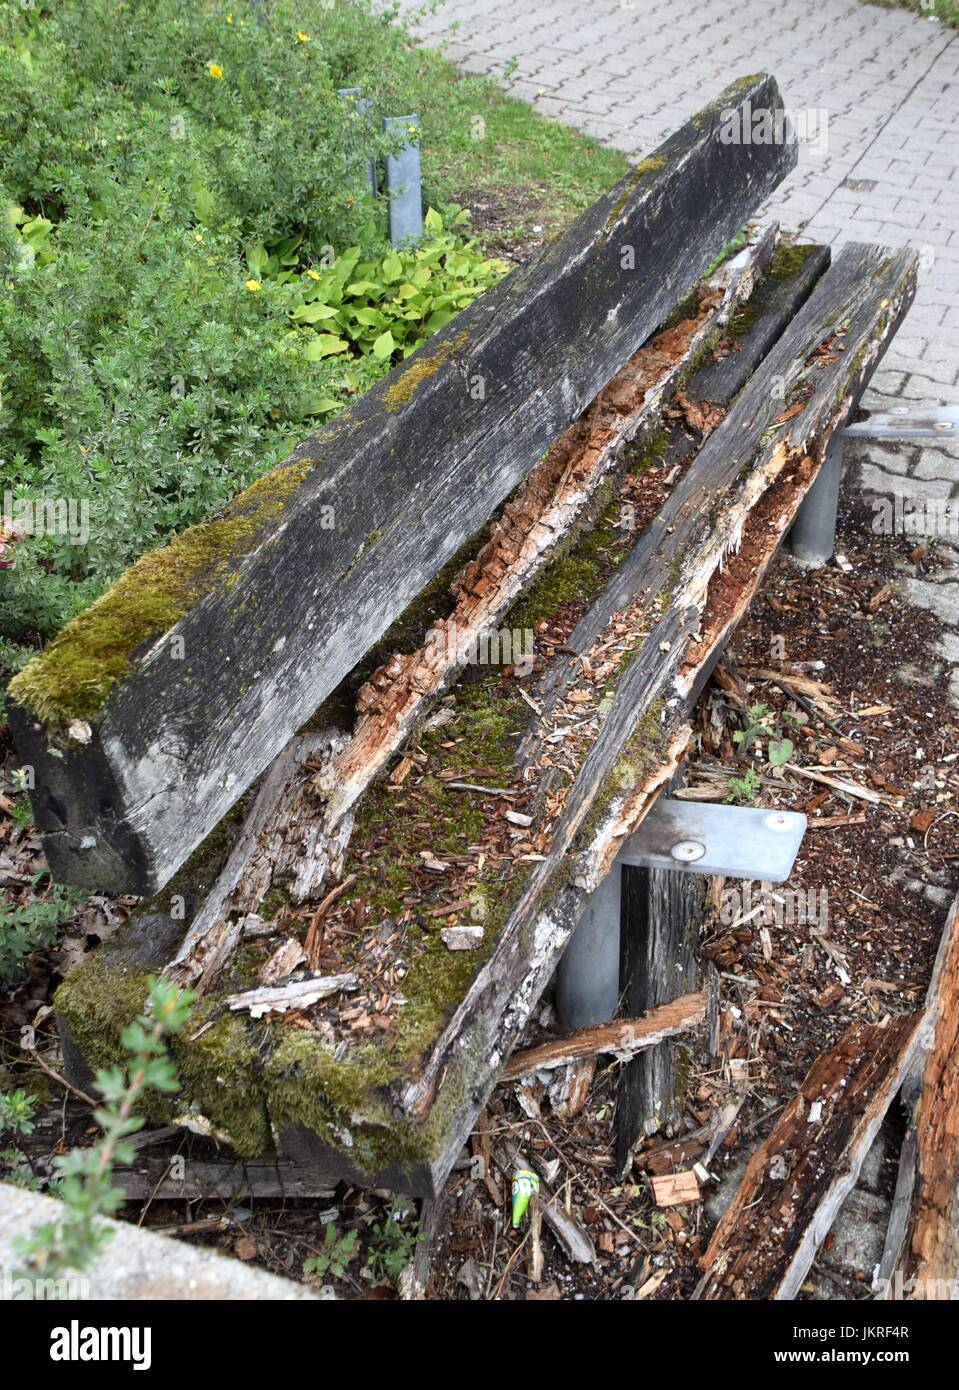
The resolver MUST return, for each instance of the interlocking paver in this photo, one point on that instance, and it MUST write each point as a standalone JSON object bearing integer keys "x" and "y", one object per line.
{"x": 631, "y": 71}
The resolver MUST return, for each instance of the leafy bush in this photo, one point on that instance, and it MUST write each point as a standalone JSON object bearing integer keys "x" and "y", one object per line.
{"x": 178, "y": 190}
{"x": 31, "y": 926}
{"x": 383, "y": 308}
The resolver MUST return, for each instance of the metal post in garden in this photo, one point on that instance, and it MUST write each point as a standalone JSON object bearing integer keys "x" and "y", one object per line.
{"x": 813, "y": 535}
{"x": 403, "y": 186}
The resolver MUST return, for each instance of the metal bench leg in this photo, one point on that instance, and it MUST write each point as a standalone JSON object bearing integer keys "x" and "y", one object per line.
{"x": 813, "y": 535}
{"x": 587, "y": 979}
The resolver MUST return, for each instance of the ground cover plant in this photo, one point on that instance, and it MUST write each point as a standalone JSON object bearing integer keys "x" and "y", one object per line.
{"x": 193, "y": 275}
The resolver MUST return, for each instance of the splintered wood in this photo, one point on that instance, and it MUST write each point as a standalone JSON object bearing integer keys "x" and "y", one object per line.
{"x": 798, "y": 1177}
{"x": 522, "y": 540}
{"x": 621, "y": 1038}
{"x": 921, "y": 1259}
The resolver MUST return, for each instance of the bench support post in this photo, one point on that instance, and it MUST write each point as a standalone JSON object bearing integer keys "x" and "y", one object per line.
{"x": 637, "y": 938}
{"x": 813, "y": 535}
{"x": 662, "y": 912}
{"x": 587, "y": 978}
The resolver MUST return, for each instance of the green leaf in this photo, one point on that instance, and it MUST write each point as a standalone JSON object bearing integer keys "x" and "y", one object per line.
{"x": 439, "y": 320}
{"x": 392, "y": 267}
{"x": 324, "y": 345}
{"x": 433, "y": 222}
{"x": 384, "y": 345}
{"x": 779, "y": 751}
{"x": 203, "y": 207}
{"x": 310, "y": 313}
{"x": 36, "y": 231}
{"x": 258, "y": 259}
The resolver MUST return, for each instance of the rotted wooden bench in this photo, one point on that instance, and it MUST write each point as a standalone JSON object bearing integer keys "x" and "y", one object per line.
{"x": 369, "y": 742}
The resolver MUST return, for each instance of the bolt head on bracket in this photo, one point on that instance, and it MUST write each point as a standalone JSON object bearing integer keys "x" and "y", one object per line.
{"x": 709, "y": 838}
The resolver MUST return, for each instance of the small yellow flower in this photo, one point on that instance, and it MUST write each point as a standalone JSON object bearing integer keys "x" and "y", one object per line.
{"x": 214, "y": 70}
{"x": 303, "y": 38}
{"x": 229, "y": 19}
{"x": 313, "y": 274}
{"x": 197, "y": 236}
{"x": 253, "y": 285}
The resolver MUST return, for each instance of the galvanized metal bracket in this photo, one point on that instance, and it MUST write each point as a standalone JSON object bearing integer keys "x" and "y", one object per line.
{"x": 813, "y": 535}
{"x": 695, "y": 837}
{"x": 936, "y": 422}
{"x": 707, "y": 837}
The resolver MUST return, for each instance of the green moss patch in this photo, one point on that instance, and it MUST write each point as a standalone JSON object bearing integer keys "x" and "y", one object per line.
{"x": 788, "y": 260}
{"x": 74, "y": 674}
{"x": 219, "y": 1066}
{"x": 98, "y": 1000}
{"x": 785, "y": 263}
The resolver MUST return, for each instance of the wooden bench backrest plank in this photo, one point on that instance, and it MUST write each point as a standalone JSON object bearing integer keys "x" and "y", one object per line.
{"x": 411, "y": 472}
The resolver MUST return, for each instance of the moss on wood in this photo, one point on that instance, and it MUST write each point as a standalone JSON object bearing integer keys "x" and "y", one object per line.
{"x": 73, "y": 675}
{"x": 218, "y": 1062}
{"x": 420, "y": 369}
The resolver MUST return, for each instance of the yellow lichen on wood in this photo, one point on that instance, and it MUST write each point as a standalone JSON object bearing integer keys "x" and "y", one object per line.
{"x": 402, "y": 390}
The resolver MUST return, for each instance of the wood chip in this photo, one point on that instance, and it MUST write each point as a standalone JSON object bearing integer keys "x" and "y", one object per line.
{"x": 462, "y": 938}
{"x": 674, "y": 1189}
{"x": 284, "y": 960}
{"x": 298, "y": 995}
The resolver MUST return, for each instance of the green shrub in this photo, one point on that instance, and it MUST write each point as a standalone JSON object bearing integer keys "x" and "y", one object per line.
{"x": 30, "y": 926}
{"x": 166, "y": 236}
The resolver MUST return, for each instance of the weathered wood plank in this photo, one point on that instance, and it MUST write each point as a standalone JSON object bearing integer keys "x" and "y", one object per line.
{"x": 273, "y": 607}
{"x": 256, "y": 858}
{"x": 921, "y": 1256}
{"x": 755, "y": 329}
{"x": 767, "y": 1239}
{"x": 151, "y": 1179}
{"x": 662, "y": 911}
{"x": 278, "y": 841}
{"x": 621, "y": 1038}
